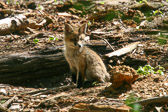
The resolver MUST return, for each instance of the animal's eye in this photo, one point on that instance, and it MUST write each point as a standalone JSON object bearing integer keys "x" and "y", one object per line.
{"x": 80, "y": 39}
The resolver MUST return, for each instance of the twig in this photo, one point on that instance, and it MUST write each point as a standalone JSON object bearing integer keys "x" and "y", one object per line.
{"x": 105, "y": 40}
{"x": 35, "y": 93}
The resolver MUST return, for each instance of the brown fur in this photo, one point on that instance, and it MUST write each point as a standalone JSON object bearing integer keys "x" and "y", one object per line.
{"x": 84, "y": 63}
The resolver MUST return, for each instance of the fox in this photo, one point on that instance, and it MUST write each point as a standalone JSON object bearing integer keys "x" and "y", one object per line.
{"x": 85, "y": 64}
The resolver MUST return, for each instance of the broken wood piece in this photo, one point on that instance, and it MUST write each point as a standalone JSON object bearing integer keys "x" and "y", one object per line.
{"x": 99, "y": 32}
{"x": 12, "y": 24}
{"x": 124, "y": 50}
{"x": 10, "y": 11}
{"x": 64, "y": 14}
{"x": 83, "y": 107}
{"x": 3, "y": 107}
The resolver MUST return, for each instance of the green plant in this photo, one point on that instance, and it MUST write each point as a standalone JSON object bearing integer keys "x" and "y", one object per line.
{"x": 56, "y": 39}
{"x": 17, "y": 3}
{"x": 89, "y": 23}
{"x": 39, "y": 6}
{"x": 51, "y": 38}
{"x": 141, "y": 1}
{"x": 130, "y": 102}
{"x": 102, "y": 2}
{"x": 8, "y": 2}
{"x": 160, "y": 70}
{"x": 36, "y": 40}
{"x": 2, "y": 101}
{"x": 162, "y": 41}
{"x": 147, "y": 69}
{"x": 157, "y": 12}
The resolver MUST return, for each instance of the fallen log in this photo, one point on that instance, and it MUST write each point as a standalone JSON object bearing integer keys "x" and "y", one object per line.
{"x": 30, "y": 65}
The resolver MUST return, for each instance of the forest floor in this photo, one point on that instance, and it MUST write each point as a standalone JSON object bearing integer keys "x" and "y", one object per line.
{"x": 118, "y": 22}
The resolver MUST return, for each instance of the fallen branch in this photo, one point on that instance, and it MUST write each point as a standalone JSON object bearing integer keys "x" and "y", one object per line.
{"x": 105, "y": 40}
{"x": 123, "y": 51}
{"x": 163, "y": 99}
{"x": 3, "y": 107}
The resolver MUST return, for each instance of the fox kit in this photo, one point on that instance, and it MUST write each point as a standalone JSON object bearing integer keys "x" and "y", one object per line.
{"x": 85, "y": 64}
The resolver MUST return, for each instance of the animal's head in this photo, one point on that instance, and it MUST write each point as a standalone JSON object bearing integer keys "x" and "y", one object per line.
{"x": 74, "y": 36}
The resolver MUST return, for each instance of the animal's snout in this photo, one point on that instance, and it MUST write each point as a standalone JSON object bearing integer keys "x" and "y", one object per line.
{"x": 80, "y": 45}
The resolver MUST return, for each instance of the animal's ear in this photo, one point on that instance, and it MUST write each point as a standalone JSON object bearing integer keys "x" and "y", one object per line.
{"x": 82, "y": 28}
{"x": 68, "y": 28}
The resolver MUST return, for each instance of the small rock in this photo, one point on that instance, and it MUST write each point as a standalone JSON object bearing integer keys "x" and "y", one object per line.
{"x": 15, "y": 107}
{"x": 3, "y": 91}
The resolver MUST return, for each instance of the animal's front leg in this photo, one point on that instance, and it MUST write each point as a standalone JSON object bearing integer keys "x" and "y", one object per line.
{"x": 73, "y": 73}
{"x": 80, "y": 76}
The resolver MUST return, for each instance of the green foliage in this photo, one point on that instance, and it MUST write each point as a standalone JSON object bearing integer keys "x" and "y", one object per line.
{"x": 136, "y": 107}
{"x": 162, "y": 41}
{"x": 147, "y": 69}
{"x": 39, "y": 6}
{"x": 51, "y": 38}
{"x": 56, "y": 39}
{"x": 84, "y": 6}
{"x": 17, "y": 3}
{"x": 114, "y": 14}
{"x": 163, "y": 38}
{"x": 90, "y": 23}
{"x": 2, "y": 101}
{"x": 131, "y": 99}
{"x": 143, "y": 1}
{"x": 36, "y": 40}
{"x": 137, "y": 19}
{"x": 102, "y": 2}
{"x": 157, "y": 12}
{"x": 160, "y": 70}
{"x": 8, "y": 2}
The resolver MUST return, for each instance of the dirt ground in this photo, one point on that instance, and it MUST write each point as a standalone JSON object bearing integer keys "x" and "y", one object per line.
{"x": 120, "y": 23}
